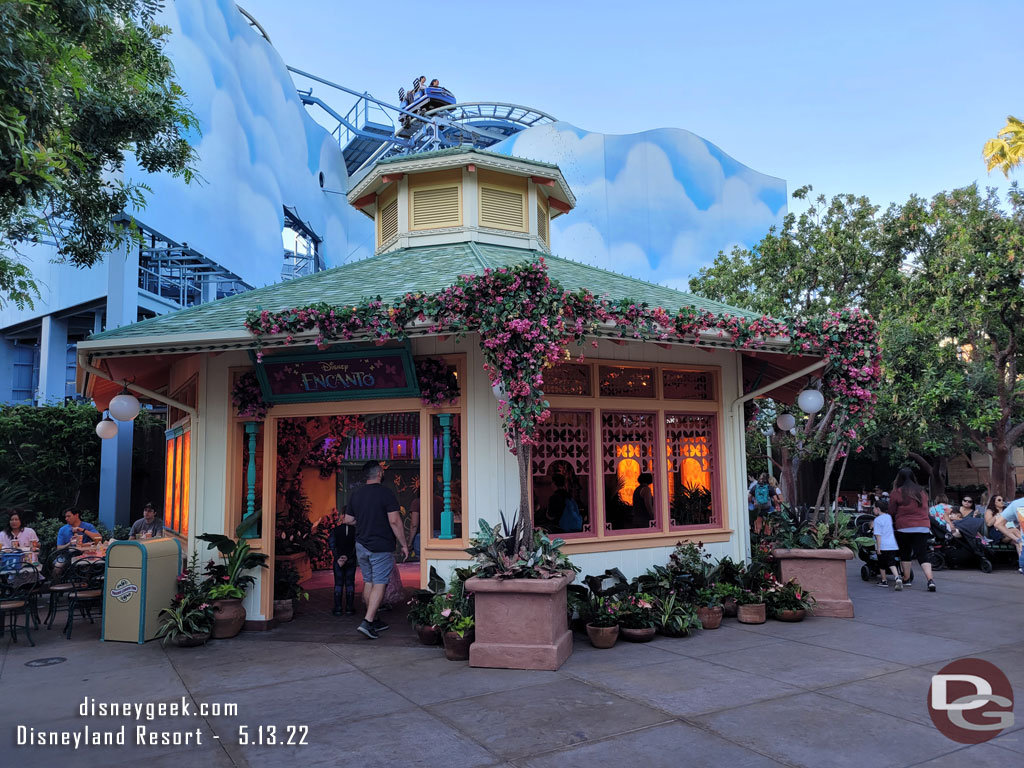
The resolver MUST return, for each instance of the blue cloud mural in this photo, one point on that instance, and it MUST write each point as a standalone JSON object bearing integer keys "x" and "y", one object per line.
{"x": 259, "y": 150}
{"x": 657, "y": 205}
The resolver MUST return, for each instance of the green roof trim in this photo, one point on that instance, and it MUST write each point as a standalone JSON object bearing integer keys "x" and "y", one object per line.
{"x": 426, "y": 269}
{"x": 461, "y": 151}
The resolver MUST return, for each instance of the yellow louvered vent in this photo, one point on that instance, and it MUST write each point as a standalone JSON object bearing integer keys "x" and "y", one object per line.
{"x": 436, "y": 207}
{"x": 502, "y": 208}
{"x": 542, "y": 224}
{"x": 389, "y": 221}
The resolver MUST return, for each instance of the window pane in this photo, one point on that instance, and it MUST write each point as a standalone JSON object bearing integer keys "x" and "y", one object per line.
{"x": 627, "y": 450}
{"x": 622, "y": 381}
{"x": 185, "y": 458}
{"x": 169, "y": 485}
{"x": 177, "y": 482}
{"x": 688, "y": 385}
{"x": 568, "y": 379}
{"x": 561, "y": 474}
{"x": 690, "y": 467}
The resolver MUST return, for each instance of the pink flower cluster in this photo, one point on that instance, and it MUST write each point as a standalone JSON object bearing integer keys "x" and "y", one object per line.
{"x": 526, "y": 321}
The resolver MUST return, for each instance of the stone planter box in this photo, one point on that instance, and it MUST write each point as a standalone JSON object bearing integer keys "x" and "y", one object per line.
{"x": 299, "y": 561}
{"x": 822, "y": 572}
{"x": 520, "y": 623}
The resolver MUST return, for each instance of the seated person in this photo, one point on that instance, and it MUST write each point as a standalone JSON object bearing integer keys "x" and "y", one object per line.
{"x": 994, "y": 510}
{"x": 75, "y": 526}
{"x": 148, "y": 526}
{"x": 15, "y": 535}
{"x": 940, "y": 510}
{"x": 435, "y": 83}
{"x": 1009, "y": 521}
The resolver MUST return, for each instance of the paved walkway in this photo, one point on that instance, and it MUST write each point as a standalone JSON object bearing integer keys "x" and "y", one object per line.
{"x": 827, "y": 692}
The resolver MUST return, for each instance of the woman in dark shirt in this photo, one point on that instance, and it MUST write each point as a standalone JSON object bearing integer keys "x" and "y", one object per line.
{"x": 908, "y": 505}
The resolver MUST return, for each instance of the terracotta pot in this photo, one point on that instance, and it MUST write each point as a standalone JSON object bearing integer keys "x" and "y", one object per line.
{"x": 822, "y": 572}
{"x": 729, "y": 606}
{"x": 797, "y": 614}
{"x": 457, "y": 648}
{"x": 520, "y": 623}
{"x": 299, "y": 561}
{"x": 751, "y": 614}
{"x": 191, "y": 641}
{"x": 644, "y": 635}
{"x": 602, "y": 637}
{"x": 428, "y": 635}
{"x": 710, "y": 618}
{"x": 228, "y": 617}
{"x": 284, "y": 610}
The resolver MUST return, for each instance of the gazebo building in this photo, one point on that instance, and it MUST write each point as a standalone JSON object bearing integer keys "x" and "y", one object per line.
{"x": 630, "y": 415}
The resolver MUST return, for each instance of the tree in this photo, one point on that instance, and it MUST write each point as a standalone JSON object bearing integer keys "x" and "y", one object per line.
{"x": 82, "y": 82}
{"x": 964, "y": 256}
{"x": 1006, "y": 151}
{"x": 824, "y": 259}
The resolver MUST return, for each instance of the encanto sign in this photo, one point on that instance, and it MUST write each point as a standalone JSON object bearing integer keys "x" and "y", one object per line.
{"x": 349, "y": 375}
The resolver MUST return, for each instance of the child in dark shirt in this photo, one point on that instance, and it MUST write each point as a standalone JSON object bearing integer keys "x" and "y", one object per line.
{"x": 343, "y": 549}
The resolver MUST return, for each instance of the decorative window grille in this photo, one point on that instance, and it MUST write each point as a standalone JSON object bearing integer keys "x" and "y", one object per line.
{"x": 688, "y": 385}
{"x": 563, "y": 451}
{"x": 627, "y": 452}
{"x": 690, "y": 469}
{"x": 624, "y": 381}
{"x": 568, "y": 379}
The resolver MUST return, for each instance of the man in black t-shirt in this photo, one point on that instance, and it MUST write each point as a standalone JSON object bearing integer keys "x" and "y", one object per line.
{"x": 378, "y": 527}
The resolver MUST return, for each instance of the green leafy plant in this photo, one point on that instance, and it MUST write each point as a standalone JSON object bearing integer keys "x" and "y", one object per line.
{"x": 462, "y": 625}
{"x": 237, "y": 557}
{"x": 450, "y": 607}
{"x": 709, "y": 597}
{"x": 727, "y": 591}
{"x": 788, "y": 597}
{"x": 674, "y": 617}
{"x": 637, "y": 611}
{"x": 225, "y": 592}
{"x": 190, "y": 612}
{"x": 421, "y": 601}
{"x": 604, "y": 612}
{"x": 517, "y": 551}
{"x": 286, "y": 584}
{"x": 751, "y": 597}
{"x": 691, "y": 504}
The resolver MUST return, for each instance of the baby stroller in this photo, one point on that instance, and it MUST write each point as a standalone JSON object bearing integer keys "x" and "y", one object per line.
{"x": 868, "y": 554}
{"x": 966, "y": 550}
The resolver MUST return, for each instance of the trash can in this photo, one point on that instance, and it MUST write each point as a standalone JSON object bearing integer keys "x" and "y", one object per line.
{"x": 141, "y": 578}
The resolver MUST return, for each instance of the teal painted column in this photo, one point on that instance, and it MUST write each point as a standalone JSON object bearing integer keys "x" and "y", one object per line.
{"x": 447, "y": 518}
{"x": 248, "y": 527}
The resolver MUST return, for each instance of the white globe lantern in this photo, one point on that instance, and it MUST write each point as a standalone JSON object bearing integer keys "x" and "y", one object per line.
{"x": 124, "y": 407}
{"x": 785, "y": 422}
{"x": 810, "y": 401}
{"x": 106, "y": 429}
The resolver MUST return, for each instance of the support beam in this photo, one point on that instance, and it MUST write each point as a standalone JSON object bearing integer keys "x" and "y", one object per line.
{"x": 53, "y": 361}
{"x": 540, "y": 181}
{"x": 365, "y": 200}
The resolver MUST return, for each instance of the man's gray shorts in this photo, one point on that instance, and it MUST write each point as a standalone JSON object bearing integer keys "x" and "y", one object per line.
{"x": 375, "y": 566}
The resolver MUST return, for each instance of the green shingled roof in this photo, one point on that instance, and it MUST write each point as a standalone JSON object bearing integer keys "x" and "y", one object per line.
{"x": 389, "y": 275}
{"x": 461, "y": 151}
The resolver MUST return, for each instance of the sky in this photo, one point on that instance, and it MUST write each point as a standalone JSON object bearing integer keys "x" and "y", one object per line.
{"x": 878, "y": 99}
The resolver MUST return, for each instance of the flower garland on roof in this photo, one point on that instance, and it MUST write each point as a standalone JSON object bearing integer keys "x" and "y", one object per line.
{"x": 526, "y": 322}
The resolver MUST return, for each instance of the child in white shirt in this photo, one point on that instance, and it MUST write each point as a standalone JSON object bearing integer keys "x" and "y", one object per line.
{"x": 885, "y": 544}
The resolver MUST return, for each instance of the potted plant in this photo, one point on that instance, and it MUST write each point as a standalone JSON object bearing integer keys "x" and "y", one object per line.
{"x": 789, "y": 601}
{"x": 421, "y": 609}
{"x": 728, "y": 595}
{"x": 287, "y": 592}
{"x": 673, "y": 617}
{"x": 636, "y": 617}
{"x": 519, "y": 585}
{"x": 453, "y": 615}
{"x": 751, "y": 607}
{"x": 296, "y": 544}
{"x": 815, "y": 555}
{"x": 603, "y": 627}
{"x": 189, "y": 619}
{"x": 227, "y": 581}
{"x": 709, "y": 608}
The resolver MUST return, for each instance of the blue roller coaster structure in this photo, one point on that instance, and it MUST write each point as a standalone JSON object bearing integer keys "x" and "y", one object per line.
{"x": 373, "y": 129}
{"x": 431, "y": 118}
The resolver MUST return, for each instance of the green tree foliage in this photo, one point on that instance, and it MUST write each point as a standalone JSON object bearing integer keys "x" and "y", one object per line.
{"x": 82, "y": 82}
